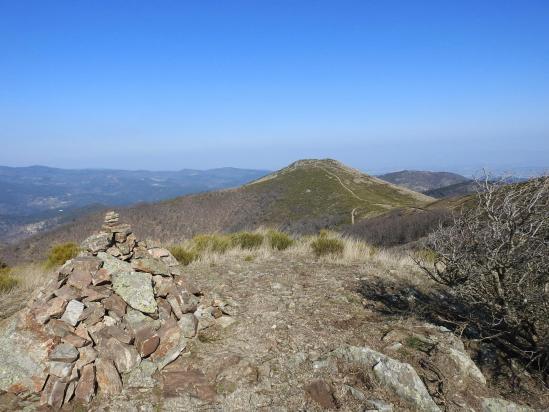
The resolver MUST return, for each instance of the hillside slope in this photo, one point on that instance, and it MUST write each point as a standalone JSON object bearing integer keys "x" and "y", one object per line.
{"x": 304, "y": 197}
{"x": 422, "y": 181}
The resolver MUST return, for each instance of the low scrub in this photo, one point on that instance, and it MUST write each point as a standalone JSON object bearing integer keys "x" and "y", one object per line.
{"x": 211, "y": 243}
{"x": 183, "y": 256}
{"x": 247, "y": 240}
{"x": 279, "y": 240}
{"x": 59, "y": 254}
{"x": 324, "y": 246}
{"x": 7, "y": 281}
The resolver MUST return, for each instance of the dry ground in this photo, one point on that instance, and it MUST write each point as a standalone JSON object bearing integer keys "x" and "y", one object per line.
{"x": 290, "y": 310}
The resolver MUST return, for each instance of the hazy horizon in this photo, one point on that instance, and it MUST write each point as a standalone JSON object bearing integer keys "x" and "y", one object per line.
{"x": 381, "y": 87}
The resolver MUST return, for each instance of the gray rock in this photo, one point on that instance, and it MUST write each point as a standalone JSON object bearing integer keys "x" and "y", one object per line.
{"x": 188, "y": 325}
{"x": 61, "y": 369}
{"x": 400, "y": 377}
{"x": 141, "y": 376}
{"x": 72, "y": 312}
{"x": 112, "y": 264}
{"x": 64, "y": 352}
{"x": 151, "y": 265}
{"x": 98, "y": 243}
{"x": 125, "y": 357}
{"x": 379, "y": 405}
{"x": 23, "y": 357}
{"x": 501, "y": 405}
{"x": 136, "y": 290}
{"x": 465, "y": 366}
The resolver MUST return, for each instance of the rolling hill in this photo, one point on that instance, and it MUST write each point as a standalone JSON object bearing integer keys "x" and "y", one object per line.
{"x": 423, "y": 181}
{"x": 304, "y": 197}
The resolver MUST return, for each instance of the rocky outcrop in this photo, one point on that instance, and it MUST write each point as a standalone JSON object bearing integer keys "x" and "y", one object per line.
{"x": 400, "y": 377}
{"x": 115, "y": 315}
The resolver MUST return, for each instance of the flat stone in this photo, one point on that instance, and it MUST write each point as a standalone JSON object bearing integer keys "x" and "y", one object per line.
{"x": 136, "y": 290}
{"x": 159, "y": 252}
{"x": 92, "y": 314}
{"x": 187, "y": 301}
{"x": 69, "y": 392}
{"x": 172, "y": 343}
{"x": 119, "y": 334}
{"x": 98, "y": 243}
{"x": 135, "y": 320}
{"x": 124, "y": 356}
{"x": 64, "y": 352}
{"x": 74, "y": 340}
{"x": 146, "y": 340}
{"x": 86, "y": 385}
{"x": 87, "y": 263}
{"x": 174, "y": 304}
{"x": 60, "y": 369}
{"x": 72, "y": 312}
{"x": 87, "y": 355}
{"x": 141, "y": 377}
{"x": 114, "y": 251}
{"x": 82, "y": 331}
{"x": 151, "y": 265}
{"x": 465, "y": 365}
{"x": 164, "y": 309}
{"x": 58, "y": 327}
{"x": 107, "y": 377}
{"x": 101, "y": 277}
{"x": 188, "y": 325}
{"x": 162, "y": 285}
{"x": 225, "y": 321}
{"x": 79, "y": 279}
{"x": 186, "y": 285}
{"x": 116, "y": 304}
{"x": 52, "y": 308}
{"x": 67, "y": 292}
{"x": 54, "y": 393}
{"x": 94, "y": 295}
{"x": 113, "y": 265}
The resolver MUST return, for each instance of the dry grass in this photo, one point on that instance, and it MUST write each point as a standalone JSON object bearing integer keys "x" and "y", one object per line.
{"x": 29, "y": 278}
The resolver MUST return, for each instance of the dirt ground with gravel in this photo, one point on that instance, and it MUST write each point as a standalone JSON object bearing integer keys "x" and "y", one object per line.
{"x": 287, "y": 315}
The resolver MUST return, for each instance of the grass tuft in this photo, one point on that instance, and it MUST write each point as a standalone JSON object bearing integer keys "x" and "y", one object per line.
{"x": 211, "y": 243}
{"x": 323, "y": 246}
{"x": 59, "y": 254}
{"x": 7, "y": 281}
{"x": 247, "y": 240}
{"x": 279, "y": 240}
{"x": 183, "y": 256}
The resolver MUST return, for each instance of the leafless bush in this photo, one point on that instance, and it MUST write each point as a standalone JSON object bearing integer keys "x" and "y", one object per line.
{"x": 495, "y": 258}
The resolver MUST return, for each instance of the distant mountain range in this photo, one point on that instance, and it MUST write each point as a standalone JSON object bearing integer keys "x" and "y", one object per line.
{"x": 37, "y": 197}
{"x": 423, "y": 181}
{"x": 304, "y": 197}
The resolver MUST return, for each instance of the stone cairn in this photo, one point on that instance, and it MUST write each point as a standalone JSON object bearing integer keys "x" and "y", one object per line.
{"x": 116, "y": 314}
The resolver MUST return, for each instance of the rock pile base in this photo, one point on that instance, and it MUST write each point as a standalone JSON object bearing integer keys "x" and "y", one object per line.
{"x": 116, "y": 314}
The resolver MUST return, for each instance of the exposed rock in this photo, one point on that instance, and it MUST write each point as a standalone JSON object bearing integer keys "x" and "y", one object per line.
{"x": 146, "y": 340}
{"x": 136, "y": 289}
{"x": 85, "y": 388}
{"x": 107, "y": 377}
{"x": 158, "y": 252}
{"x": 72, "y": 312}
{"x": 54, "y": 393}
{"x": 188, "y": 325}
{"x": 400, "y": 377}
{"x": 162, "y": 285}
{"x": 465, "y": 365}
{"x": 52, "y": 308}
{"x": 116, "y": 304}
{"x": 501, "y": 405}
{"x": 113, "y": 265}
{"x": 87, "y": 355}
{"x": 67, "y": 292}
{"x": 141, "y": 376}
{"x": 172, "y": 343}
{"x": 101, "y": 277}
{"x": 64, "y": 352}
{"x": 98, "y": 243}
{"x": 60, "y": 369}
{"x": 74, "y": 340}
{"x": 124, "y": 356}
{"x": 150, "y": 265}
{"x": 80, "y": 279}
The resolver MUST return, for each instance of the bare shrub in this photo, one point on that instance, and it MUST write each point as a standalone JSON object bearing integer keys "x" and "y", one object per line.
{"x": 495, "y": 259}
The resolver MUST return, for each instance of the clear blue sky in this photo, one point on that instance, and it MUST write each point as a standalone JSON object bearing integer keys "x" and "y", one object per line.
{"x": 380, "y": 85}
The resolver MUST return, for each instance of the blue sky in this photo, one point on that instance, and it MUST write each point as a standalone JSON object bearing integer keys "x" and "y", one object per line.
{"x": 380, "y": 85}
